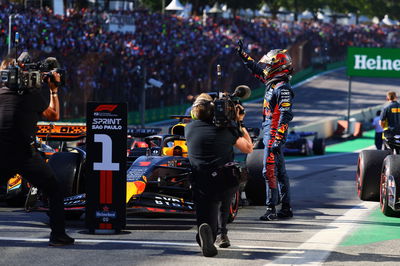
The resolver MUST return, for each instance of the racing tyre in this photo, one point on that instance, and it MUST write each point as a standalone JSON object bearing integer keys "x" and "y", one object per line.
{"x": 66, "y": 167}
{"x": 234, "y": 208}
{"x": 368, "y": 174}
{"x": 388, "y": 188}
{"x": 319, "y": 146}
{"x": 255, "y": 188}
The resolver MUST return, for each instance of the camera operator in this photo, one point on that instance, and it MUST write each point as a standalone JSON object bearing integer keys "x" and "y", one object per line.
{"x": 274, "y": 69}
{"x": 210, "y": 148}
{"x": 19, "y": 113}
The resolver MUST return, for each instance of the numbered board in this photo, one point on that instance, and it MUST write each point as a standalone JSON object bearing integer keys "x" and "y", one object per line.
{"x": 106, "y": 167}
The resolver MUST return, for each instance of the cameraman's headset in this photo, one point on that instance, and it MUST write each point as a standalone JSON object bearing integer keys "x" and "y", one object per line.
{"x": 208, "y": 105}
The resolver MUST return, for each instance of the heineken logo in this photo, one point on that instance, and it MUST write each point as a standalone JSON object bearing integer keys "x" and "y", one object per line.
{"x": 373, "y": 62}
{"x": 363, "y": 62}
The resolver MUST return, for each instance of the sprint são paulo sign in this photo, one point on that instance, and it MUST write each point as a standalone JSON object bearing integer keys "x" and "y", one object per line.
{"x": 106, "y": 167}
{"x": 373, "y": 62}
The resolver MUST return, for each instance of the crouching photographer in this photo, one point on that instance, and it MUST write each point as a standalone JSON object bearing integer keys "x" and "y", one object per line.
{"x": 21, "y": 106}
{"x": 210, "y": 148}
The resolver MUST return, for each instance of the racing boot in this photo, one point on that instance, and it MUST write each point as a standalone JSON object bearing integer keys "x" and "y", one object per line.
{"x": 207, "y": 241}
{"x": 270, "y": 214}
{"x": 286, "y": 212}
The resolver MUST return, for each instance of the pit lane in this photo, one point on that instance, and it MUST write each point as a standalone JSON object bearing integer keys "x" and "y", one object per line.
{"x": 323, "y": 192}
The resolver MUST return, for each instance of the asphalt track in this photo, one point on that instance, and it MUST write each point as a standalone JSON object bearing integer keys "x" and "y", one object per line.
{"x": 331, "y": 226}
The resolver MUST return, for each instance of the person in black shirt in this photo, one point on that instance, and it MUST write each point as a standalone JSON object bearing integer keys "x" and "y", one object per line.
{"x": 19, "y": 113}
{"x": 390, "y": 116}
{"x": 209, "y": 149}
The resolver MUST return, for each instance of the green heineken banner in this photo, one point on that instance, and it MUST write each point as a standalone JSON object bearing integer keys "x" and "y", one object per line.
{"x": 373, "y": 62}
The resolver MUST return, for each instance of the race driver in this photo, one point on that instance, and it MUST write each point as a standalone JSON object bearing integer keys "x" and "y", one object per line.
{"x": 274, "y": 70}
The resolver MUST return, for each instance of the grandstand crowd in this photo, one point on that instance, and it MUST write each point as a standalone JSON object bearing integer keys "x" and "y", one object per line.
{"x": 182, "y": 53}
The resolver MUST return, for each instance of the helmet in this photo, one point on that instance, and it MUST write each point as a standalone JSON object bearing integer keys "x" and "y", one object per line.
{"x": 276, "y": 63}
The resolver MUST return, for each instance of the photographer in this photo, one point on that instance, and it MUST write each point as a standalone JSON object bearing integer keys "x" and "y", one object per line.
{"x": 274, "y": 69}
{"x": 210, "y": 148}
{"x": 20, "y": 110}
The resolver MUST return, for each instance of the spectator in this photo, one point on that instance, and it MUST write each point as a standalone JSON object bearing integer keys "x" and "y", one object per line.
{"x": 172, "y": 49}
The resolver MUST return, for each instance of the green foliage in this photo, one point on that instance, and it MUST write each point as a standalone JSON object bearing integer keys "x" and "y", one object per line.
{"x": 243, "y": 4}
{"x": 154, "y": 5}
{"x": 274, "y": 6}
{"x": 369, "y": 8}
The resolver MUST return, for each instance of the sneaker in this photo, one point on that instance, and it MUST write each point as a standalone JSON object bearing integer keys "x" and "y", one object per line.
{"x": 207, "y": 241}
{"x": 270, "y": 215}
{"x": 222, "y": 241}
{"x": 60, "y": 240}
{"x": 285, "y": 213}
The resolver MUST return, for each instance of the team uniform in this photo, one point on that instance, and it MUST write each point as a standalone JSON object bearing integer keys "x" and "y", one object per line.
{"x": 277, "y": 113}
{"x": 390, "y": 116}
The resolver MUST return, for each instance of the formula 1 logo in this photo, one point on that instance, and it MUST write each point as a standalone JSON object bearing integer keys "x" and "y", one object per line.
{"x": 106, "y": 107}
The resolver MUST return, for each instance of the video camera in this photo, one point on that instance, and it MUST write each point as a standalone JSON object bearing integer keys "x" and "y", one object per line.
{"x": 225, "y": 106}
{"x": 24, "y": 75}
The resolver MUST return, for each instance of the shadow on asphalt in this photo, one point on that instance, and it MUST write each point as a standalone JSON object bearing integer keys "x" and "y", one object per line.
{"x": 339, "y": 257}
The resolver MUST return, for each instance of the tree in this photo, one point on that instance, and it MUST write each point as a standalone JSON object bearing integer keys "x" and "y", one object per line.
{"x": 154, "y": 5}
{"x": 393, "y": 7}
{"x": 274, "y": 6}
{"x": 299, "y": 6}
{"x": 242, "y": 4}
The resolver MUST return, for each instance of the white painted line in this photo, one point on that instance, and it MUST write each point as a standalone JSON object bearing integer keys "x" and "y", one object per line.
{"x": 150, "y": 243}
{"x": 319, "y": 246}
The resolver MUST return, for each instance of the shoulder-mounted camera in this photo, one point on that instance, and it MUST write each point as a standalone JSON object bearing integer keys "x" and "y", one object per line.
{"x": 24, "y": 75}
{"x": 225, "y": 106}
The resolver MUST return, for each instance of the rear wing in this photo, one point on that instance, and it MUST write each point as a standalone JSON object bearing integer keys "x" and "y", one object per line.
{"x": 69, "y": 131}
{"x": 61, "y": 131}
{"x": 142, "y": 132}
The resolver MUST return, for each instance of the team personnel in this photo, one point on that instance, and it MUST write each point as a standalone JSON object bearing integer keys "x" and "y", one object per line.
{"x": 274, "y": 70}
{"x": 209, "y": 149}
{"x": 378, "y": 130}
{"x": 19, "y": 113}
{"x": 390, "y": 116}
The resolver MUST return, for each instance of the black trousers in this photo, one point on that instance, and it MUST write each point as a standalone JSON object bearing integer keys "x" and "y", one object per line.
{"x": 34, "y": 169}
{"x": 207, "y": 209}
{"x": 378, "y": 140}
{"x": 213, "y": 208}
{"x": 224, "y": 209}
